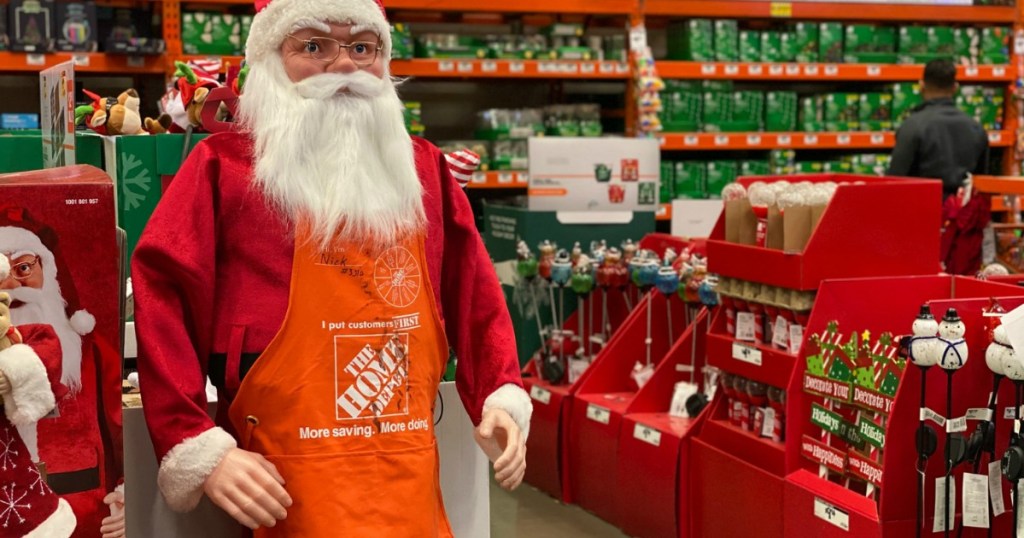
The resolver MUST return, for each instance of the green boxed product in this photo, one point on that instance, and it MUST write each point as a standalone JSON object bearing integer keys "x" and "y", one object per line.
{"x": 510, "y": 155}
{"x": 727, "y": 40}
{"x": 837, "y": 167}
{"x": 781, "y": 111}
{"x": 869, "y": 43}
{"x": 905, "y": 96}
{"x": 810, "y": 167}
{"x": 830, "y": 42}
{"x": 750, "y": 46}
{"x": 806, "y": 43}
{"x": 841, "y": 107}
{"x": 402, "y": 45}
{"x": 681, "y": 111}
{"x": 692, "y": 40}
{"x": 967, "y": 43}
{"x": 875, "y": 111}
{"x": 913, "y": 40}
{"x": 718, "y": 86}
{"x": 995, "y": 45}
{"x": 771, "y": 46}
{"x": 871, "y": 164}
{"x": 564, "y": 29}
{"x": 227, "y": 35}
{"x": 754, "y": 168}
{"x": 941, "y": 40}
{"x": 450, "y": 46}
{"x": 246, "y": 25}
{"x": 717, "y": 109}
{"x": 720, "y": 174}
{"x": 691, "y": 179}
{"x": 666, "y": 185}
{"x": 748, "y": 106}
{"x": 196, "y": 32}
{"x": 675, "y": 85}
{"x": 790, "y": 46}
{"x": 574, "y": 53}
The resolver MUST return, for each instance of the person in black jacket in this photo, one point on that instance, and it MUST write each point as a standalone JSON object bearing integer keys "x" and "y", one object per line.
{"x": 939, "y": 141}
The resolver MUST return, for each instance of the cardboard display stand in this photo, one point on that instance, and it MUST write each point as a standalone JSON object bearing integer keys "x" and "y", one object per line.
{"x": 893, "y": 306}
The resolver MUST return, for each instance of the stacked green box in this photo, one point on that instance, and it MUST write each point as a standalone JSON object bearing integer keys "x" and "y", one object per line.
{"x": 982, "y": 103}
{"x": 913, "y": 44}
{"x": 747, "y": 111}
{"x": 967, "y": 47}
{"x": 691, "y": 179}
{"x": 402, "y": 45}
{"x": 750, "y": 46}
{"x": 21, "y": 150}
{"x": 717, "y": 110}
{"x": 771, "y": 46}
{"x": 870, "y": 163}
{"x": 450, "y": 46}
{"x": 942, "y": 40}
{"x": 720, "y": 174}
{"x": 841, "y": 111}
{"x": 754, "y": 168}
{"x": 830, "y": 42}
{"x": 681, "y": 109}
{"x": 837, "y": 167}
{"x": 413, "y": 115}
{"x": 510, "y": 155}
{"x": 691, "y": 40}
{"x": 874, "y": 111}
{"x": 782, "y": 161}
{"x": 781, "y": 111}
{"x": 905, "y": 96}
{"x": 995, "y": 45}
{"x": 868, "y": 43}
{"x": 806, "y": 43}
{"x": 666, "y": 185}
{"x": 810, "y": 167}
{"x": 727, "y": 40}
{"x": 790, "y": 46}
{"x": 211, "y": 33}
{"x": 812, "y": 115}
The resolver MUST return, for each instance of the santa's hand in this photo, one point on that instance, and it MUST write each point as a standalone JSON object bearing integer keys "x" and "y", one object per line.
{"x": 112, "y": 526}
{"x": 249, "y": 488}
{"x": 502, "y": 441}
{"x": 5, "y": 384}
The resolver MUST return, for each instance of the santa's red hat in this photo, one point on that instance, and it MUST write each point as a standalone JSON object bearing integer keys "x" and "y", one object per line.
{"x": 275, "y": 19}
{"x": 19, "y": 235}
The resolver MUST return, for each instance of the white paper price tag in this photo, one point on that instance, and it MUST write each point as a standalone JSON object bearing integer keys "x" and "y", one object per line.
{"x": 877, "y": 139}
{"x": 732, "y": 70}
{"x": 745, "y": 326}
{"x": 975, "y": 501}
{"x": 843, "y": 140}
{"x": 768, "y": 426}
{"x": 971, "y": 72}
{"x": 995, "y": 488}
{"x": 489, "y": 67}
{"x": 445, "y": 66}
{"x": 708, "y": 69}
{"x": 570, "y": 68}
{"x": 466, "y": 67}
{"x": 1018, "y": 45}
{"x": 746, "y": 354}
{"x": 995, "y": 137}
{"x": 1009, "y": 413}
{"x": 479, "y": 177}
{"x": 810, "y": 140}
{"x": 939, "y": 525}
{"x": 523, "y": 177}
{"x": 928, "y": 414}
{"x": 874, "y": 70}
{"x": 776, "y": 70}
{"x": 80, "y": 60}
{"x": 796, "y": 337}
{"x": 979, "y": 413}
{"x": 780, "y": 334}
{"x": 811, "y": 70}
{"x": 622, "y": 68}
{"x": 540, "y": 394}
{"x": 998, "y": 71}
{"x": 784, "y": 140}
{"x": 506, "y": 177}
{"x": 35, "y": 59}
{"x": 832, "y": 70}
{"x": 547, "y": 67}
{"x": 755, "y": 70}
{"x": 647, "y": 435}
{"x": 828, "y": 512}
{"x": 721, "y": 140}
{"x": 588, "y": 68}
{"x": 956, "y": 425}
{"x": 753, "y": 140}
{"x": 691, "y": 140}
{"x": 792, "y": 70}
{"x": 598, "y": 414}
{"x": 516, "y": 67}
{"x": 607, "y": 68}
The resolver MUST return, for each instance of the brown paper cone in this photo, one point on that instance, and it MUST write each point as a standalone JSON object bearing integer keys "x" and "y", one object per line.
{"x": 816, "y": 212}
{"x": 775, "y": 232}
{"x": 797, "y": 225}
{"x": 740, "y": 222}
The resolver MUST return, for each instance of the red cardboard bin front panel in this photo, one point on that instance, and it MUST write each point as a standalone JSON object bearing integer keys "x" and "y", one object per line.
{"x": 543, "y": 446}
{"x": 731, "y": 498}
{"x": 593, "y": 450}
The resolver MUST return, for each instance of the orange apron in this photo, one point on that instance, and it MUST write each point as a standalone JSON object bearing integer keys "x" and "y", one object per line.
{"x": 342, "y": 399}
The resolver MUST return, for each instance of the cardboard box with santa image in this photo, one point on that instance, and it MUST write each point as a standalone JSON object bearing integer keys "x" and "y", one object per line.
{"x": 58, "y": 231}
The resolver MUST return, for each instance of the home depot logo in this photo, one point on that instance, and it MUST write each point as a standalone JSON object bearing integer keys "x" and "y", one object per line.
{"x": 371, "y": 382}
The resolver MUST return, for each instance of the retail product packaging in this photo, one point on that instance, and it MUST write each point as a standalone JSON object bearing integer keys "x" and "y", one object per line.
{"x": 740, "y": 222}
{"x": 984, "y": 104}
{"x": 811, "y": 114}
{"x": 510, "y": 155}
{"x": 563, "y": 29}
{"x": 450, "y": 46}
{"x": 774, "y": 233}
{"x": 771, "y": 46}
{"x": 65, "y": 217}
{"x": 905, "y": 96}
{"x": 211, "y": 33}
{"x": 868, "y": 43}
{"x": 841, "y": 111}
{"x": 666, "y": 185}
{"x": 720, "y": 174}
{"x": 681, "y": 110}
{"x": 942, "y": 40}
{"x": 967, "y": 44}
{"x": 717, "y": 110}
{"x": 913, "y": 41}
{"x": 807, "y": 47}
{"x": 727, "y": 40}
{"x": 748, "y": 109}
{"x": 995, "y": 45}
{"x": 830, "y": 42}
{"x": 691, "y": 179}
{"x": 782, "y": 161}
{"x": 750, "y": 46}
{"x": 19, "y": 149}
{"x": 875, "y": 111}
{"x": 837, "y": 167}
{"x": 412, "y": 112}
{"x": 76, "y": 27}
{"x": 31, "y": 25}
{"x": 402, "y": 45}
{"x": 809, "y": 167}
{"x": 796, "y": 224}
{"x": 781, "y": 111}
{"x": 754, "y": 168}
{"x": 692, "y": 40}
{"x": 14, "y": 121}
{"x": 790, "y": 46}
{"x": 130, "y": 31}
{"x": 5, "y": 42}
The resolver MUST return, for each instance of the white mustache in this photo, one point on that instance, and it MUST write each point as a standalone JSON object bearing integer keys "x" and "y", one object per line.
{"x": 327, "y": 85}
{"x": 26, "y": 295}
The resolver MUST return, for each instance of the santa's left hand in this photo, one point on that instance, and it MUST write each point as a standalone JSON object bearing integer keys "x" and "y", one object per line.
{"x": 503, "y": 443}
{"x": 113, "y": 525}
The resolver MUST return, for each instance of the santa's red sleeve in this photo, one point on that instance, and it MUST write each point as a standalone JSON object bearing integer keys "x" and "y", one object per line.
{"x": 33, "y": 369}
{"x": 477, "y": 321}
{"x": 173, "y": 272}
{"x": 108, "y": 387}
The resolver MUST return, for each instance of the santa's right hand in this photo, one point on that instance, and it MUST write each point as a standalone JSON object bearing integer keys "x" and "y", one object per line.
{"x": 249, "y": 488}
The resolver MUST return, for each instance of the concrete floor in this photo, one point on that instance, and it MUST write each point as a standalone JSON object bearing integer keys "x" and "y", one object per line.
{"x": 527, "y": 512}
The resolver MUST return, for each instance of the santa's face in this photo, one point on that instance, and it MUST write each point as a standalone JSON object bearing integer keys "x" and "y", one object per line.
{"x": 26, "y": 270}
{"x": 315, "y": 50}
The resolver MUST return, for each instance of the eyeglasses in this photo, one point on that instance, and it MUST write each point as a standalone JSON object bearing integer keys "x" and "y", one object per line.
{"x": 24, "y": 267}
{"x": 325, "y": 49}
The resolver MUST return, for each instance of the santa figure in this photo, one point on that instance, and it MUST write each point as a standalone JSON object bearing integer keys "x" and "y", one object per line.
{"x": 29, "y": 383}
{"x": 317, "y": 264}
{"x": 81, "y": 443}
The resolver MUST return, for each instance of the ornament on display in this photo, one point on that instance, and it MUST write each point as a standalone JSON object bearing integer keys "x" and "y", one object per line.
{"x": 582, "y": 285}
{"x": 1012, "y": 463}
{"x": 924, "y": 353}
{"x": 527, "y": 270}
{"x": 554, "y": 368}
{"x": 547, "y": 258}
{"x": 953, "y": 356}
{"x": 644, "y": 270}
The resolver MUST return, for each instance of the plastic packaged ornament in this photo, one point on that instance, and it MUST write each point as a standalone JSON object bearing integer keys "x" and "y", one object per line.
{"x": 526, "y": 265}
{"x": 923, "y": 344}
{"x": 777, "y": 402}
{"x": 547, "y": 256}
{"x": 666, "y": 280}
{"x": 758, "y": 394}
{"x": 952, "y": 346}
{"x": 561, "y": 268}
{"x": 995, "y": 353}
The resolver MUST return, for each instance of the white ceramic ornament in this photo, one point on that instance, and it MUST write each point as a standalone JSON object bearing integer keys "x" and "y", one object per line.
{"x": 995, "y": 353}
{"x": 952, "y": 346}
{"x": 1013, "y": 365}
{"x": 922, "y": 346}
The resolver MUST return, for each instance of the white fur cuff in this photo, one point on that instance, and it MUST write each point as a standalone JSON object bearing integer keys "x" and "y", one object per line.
{"x": 185, "y": 468}
{"x": 516, "y": 402}
{"x": 30, "y": 398}
{"x": 60, "y": 524}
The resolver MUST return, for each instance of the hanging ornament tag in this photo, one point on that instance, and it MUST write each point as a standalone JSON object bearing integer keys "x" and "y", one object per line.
{"x": 975, "y": 501}
{"x": 939, "y": 524}
{"x": 928, "y": 414}
{"x": 745, "y": 326}
{"x": 995, "y": 488}
{"x": 780, "y": 334}
{"x": 1008, "y": 413}
{"x": 956, "y": 425}
{"x": 768, "y": 426}
{"x": 979, "y": 413}
{"x": 642, "y": 375}
{"x": 796, "y": 337}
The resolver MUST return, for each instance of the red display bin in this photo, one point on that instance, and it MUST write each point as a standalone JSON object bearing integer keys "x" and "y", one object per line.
{"x": 881, "y": 228}
{"x": 603, "y": 398}
{"x": 892, "y": 306}
{"x": 771, "y": 365}
{"x": 654, "y": 446}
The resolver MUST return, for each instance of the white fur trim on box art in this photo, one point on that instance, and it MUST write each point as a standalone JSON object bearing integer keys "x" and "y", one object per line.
{"x": 60, "y": 524}
{"x": 271, "y": 26}
{"x": 30, "y": 398}
{"x": 186, "y": 467}
{"x": 516, "y": 402}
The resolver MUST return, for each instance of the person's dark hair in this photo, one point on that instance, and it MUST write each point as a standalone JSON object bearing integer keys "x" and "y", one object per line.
{"x": 940, "y": 75}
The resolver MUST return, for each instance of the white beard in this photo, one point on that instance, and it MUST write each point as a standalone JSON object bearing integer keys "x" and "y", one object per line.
{"x": 46, "y": 306}
{"x": 341, "y": 162}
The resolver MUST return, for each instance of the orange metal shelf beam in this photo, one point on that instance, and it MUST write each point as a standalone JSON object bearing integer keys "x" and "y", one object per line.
{"x": 999, "y": 184}
{"x": 603, "y": 7}
{"x": 499, "y": 180}
{"x": 85, "y": 62}
{"x": 821, "y": 72}
{"x": 767, "y": 141}
{"x": 510, "y": 69}
{"x": 828, "y": 11}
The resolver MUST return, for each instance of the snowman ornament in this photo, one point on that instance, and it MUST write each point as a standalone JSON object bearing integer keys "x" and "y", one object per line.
{"x": 923, "y": 343}
{"x": 998, "y": 353}
{"x": 952, "y": 348}
{"x": 1013, "y": 364}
